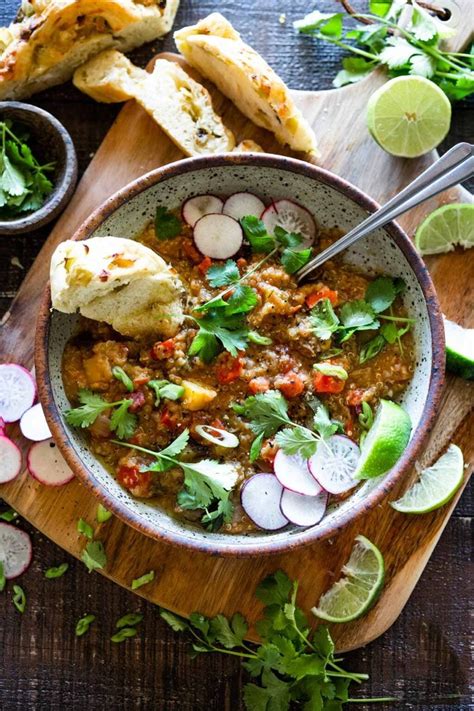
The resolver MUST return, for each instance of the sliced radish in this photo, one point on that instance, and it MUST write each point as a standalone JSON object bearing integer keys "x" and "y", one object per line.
{"x": 303, "y": 510}
{"x": 197, "y": 207}
{"x": 293, "y": 218}
{"x": 260, "y": 497}
{"x": 218, "y": 236}
{"x": 16, "y": 550}
{"x": 292, "y": 472}
{"x": 240, "y": 205}
{"x": 33, "y": 424}
{"x": 17, "y": 391}
{"x": 10, "y": 460}
{"x": 47, "y": 465}
{"x": 334, "y": 464}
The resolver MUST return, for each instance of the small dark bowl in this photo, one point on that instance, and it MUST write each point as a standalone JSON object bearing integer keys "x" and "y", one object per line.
{"x": 51, "y": 141}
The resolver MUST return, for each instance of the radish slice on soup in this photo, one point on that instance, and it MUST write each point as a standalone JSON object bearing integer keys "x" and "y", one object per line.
{"x": 16, "y": 550}
{"x": 196, "y": 207}
{"x": 17, "y": 391}
{"x": 47, "y": 465}
{"x": 334, "y": 464}
{"x": 10, "y": 460}
{"x": 218, "y": 236}
{"x": 293, "y": 218}
{"x": 241, "y": 205}
{"x": 303, "y": 510}
{"x": 33, "y": 424}
{"x": 260, "y": 497}
{"x": 292, "y": 472}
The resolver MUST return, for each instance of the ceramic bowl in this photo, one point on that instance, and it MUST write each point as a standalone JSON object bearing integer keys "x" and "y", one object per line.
{"x": 50, "y": 142}
{"x": 334, "y": 202}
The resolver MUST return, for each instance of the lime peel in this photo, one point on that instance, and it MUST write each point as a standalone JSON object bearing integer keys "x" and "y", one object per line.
{"x": 445, "y": 228}
{"x": 355, "y": 593}
{"x": 436, "y": 485}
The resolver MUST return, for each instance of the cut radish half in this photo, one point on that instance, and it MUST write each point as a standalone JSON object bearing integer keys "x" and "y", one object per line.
{"x": 218, "y": 236}
{"x": 260, "y": 497}
{"x": 197, "y": 207}
{"x": 16, "y": 550}
{"x": 33, "y": 424}
{"x": 303, "y": 510}
{"x": 10, "y": 460}
{"x": 17, "y": 391}
{"x": 292, "y": 472}
{"x": 240, "y": 205}
{"x": 47, "y": 465}
{"x": 293, "y": 218}
{"x": 334, "y": 464}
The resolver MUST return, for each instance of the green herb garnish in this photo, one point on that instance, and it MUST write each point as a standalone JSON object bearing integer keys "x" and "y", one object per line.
{"x": 412, "y": 47}
{"x": 85, "y": 529}
{"x": 217, "y": 330}
{"x": 292, "y": 665}
{"x": 143, "y": 580}
{"x": 19, "y": 598}
{"x": 3, "y": 580}
{"x": 123, "y": 634}
{"x": 92, "y": 405}
{"x": 167, "y": 225}
{"x": 163, "y": 389}
{"x": 82, "y": 625}
{"x": 56, "y": 572}
{"x": 102, "y": 514}
{"x": 24, "y": 186}
{"x": 122, "y": 376}
{"x": 8, "y": 515}
{"x": 335, "y": 371}
{"x": 93, "y": 556}
{"x": 129, "y": 620}
{"x": 258, "y": 339}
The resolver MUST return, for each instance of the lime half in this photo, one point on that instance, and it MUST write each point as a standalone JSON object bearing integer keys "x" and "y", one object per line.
{"x": 408, "y": 116}
{"x": 385, "y": 442}
{"x": 445, "y": 228}
{"x": 436, "y": 486}
{"x": 357, "y": 591}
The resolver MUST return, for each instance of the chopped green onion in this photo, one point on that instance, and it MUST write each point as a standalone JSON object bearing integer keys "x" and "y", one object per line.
{"x": 19, "y": 598}
{"x": 143, "y": 580}
{"x": 335, "y": 371}
{"x": 56, "y": 572}
{"x": 82, "y": 625}
{"x": 102, "y": 514}
{"x": 124, "y": 634}
{"x": 129, "y": 620}
{"x": 85, "y": 528}
{"x": 121, "y": 375}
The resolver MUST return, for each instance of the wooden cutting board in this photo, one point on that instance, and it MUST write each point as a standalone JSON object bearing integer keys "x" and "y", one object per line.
{"x": 186, "y": 580}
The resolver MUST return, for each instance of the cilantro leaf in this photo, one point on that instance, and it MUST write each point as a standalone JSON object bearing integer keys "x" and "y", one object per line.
{"x": 256, "y": 233}
{"x": 275, "y": 589}
{"x": 323, "y": 319}
{"x": 93, "y": 556}
{"x": 167, "y": 225}
{"x": 223, "y": 275}
{"x": 380, "y": 294}
{"x": 293, "y": 261}
{"x": 287, "y": 239}
{"x": 354, "y": 69}
{"x": 219, "y": 328}
{"x": 324, "y": 425}
{"x": 266, "y": 412}
{"x": 91, "y": 407}
{"x": 178, "y": 624}
{"x": 205, "y": 483}
{"x": 297, "y": 440}
{"x": 122, "y": 421}
{"x": 229, "y": 633}
{"x": 12, "y": 180}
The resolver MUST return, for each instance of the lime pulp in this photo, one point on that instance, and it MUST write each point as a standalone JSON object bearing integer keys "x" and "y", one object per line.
{"x": 445, "y": 228}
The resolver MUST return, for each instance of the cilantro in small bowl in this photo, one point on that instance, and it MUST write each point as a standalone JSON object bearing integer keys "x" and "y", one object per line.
{"x": 38, "y": 167}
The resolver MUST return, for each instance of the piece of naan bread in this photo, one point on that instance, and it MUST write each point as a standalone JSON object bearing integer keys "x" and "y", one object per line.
{"x": 119, "y": 281}
{"x": 216, "y": 50}
{"x": 54, "y": 37}
{"x": 180, "y": 106}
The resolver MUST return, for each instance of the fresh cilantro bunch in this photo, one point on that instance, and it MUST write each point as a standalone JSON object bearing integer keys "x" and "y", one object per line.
{"x": 364, "y": 315}
{"x": 267, "y": 412}
{"x": 293, "y": 666}
{"x": 24, "y": 185}
{"x": 92, "y": 405}
{"x": 207, "y": 484}
{"x": 402, "y": 37}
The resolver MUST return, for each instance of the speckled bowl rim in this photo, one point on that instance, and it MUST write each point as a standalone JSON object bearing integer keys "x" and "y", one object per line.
{"x": 260, "y": 546}
{"x": 62, "y": 192}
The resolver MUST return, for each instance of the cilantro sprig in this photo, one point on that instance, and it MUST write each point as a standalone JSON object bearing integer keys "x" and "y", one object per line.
{"x": 291, "y": 258}
{"x": 24, "y": 185}
{"x": 207, "y": 484}
{"x": 292, "y": 664}
{"x": 92, "y": 405}
{"x": 409, "y": 47}
{"x": 167, "y": 225}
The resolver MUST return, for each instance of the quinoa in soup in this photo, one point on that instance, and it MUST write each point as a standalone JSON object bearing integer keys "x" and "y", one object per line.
{"x": 260, "y": 375}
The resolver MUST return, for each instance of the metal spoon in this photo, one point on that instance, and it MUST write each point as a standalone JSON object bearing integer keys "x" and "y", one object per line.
{"x": 455, "y": 166}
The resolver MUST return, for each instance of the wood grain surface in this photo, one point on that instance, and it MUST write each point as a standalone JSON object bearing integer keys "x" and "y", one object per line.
{"x": 75, "y": 506}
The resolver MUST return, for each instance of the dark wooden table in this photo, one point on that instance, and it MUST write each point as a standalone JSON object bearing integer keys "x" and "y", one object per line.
{"x": 423, "y": 659}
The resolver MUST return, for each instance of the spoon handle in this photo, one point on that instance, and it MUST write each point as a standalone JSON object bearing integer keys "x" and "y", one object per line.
{"x": 453, "y": 167}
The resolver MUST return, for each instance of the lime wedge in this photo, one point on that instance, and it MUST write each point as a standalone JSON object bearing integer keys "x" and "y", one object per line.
{"x": 436, "y": 486}
{"x": 445, "y": 228}
{"x": 459, "y": 349}
{"x": 351, "y": 596}
{"x": 408, "y": 116}
{"x": 385, "y": 442}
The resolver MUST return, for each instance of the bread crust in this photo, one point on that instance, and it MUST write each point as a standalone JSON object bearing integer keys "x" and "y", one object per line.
{"x": 46, "y": 47}
{"x": 216, "y": 50}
